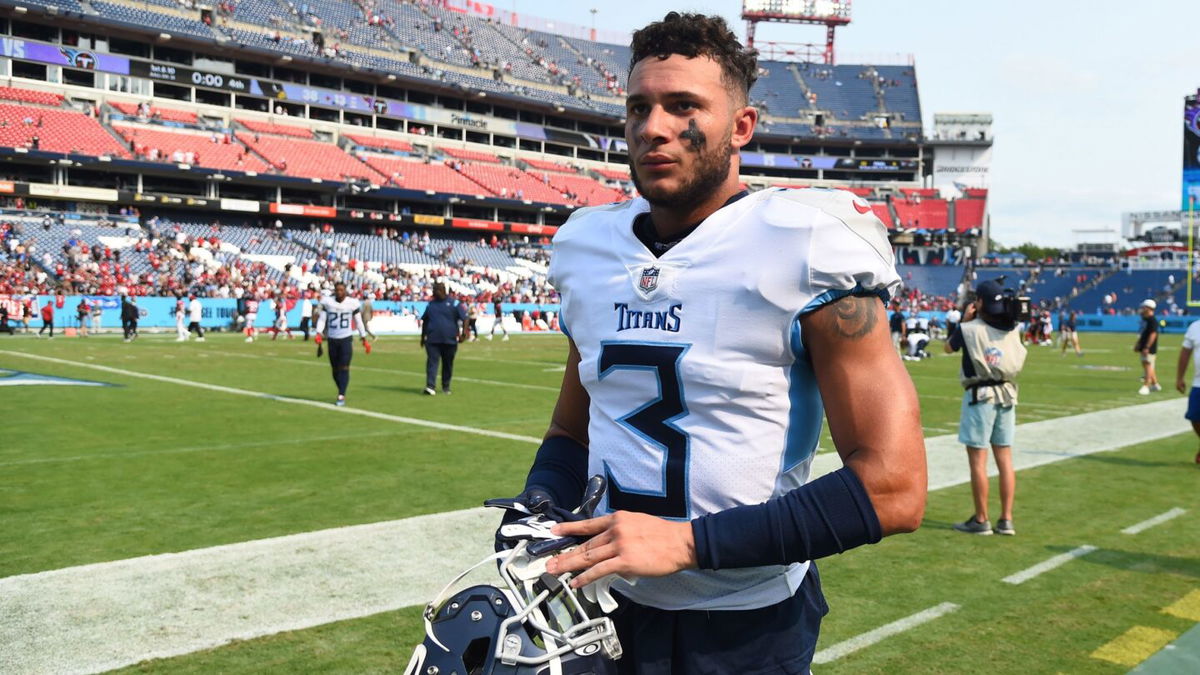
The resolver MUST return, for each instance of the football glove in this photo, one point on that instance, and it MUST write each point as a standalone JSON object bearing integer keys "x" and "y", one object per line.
{"x": 318, "y": 339}
{"x": 366, "y": 345}
{"x": 531, "y": 514}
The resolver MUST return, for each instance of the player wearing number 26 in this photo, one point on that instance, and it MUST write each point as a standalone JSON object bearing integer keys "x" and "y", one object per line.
{"x": 711, "y": 331}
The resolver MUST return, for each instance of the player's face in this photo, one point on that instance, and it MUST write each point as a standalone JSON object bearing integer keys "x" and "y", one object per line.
{"x": 339, "y": 292}
{"x": 683, "y": 126}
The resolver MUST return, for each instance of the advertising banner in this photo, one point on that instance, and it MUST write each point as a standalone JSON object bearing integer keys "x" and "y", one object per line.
{"x": 1191, "y": 152}
{"x": 71, "y": 57}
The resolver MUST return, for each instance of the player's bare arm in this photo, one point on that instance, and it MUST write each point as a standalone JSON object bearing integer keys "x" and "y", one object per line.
{"x": 871, "y": 406}
{"x": 570, "y": 416}
{"x": 1185, "y": 357}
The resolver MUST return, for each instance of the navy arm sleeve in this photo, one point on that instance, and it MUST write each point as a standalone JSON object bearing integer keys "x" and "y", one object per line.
{"x": 829, "y": 515}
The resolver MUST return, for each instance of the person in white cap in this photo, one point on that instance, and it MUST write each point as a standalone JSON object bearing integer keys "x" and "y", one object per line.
{"x": 1147, "y": 347}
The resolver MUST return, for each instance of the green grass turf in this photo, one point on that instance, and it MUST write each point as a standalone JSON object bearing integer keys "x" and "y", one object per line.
{"x": 88, "y": 475}
{"x": 1049, "y": 624}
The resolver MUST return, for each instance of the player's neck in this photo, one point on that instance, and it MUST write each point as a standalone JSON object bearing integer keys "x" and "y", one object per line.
{"x": 670, "y": 223}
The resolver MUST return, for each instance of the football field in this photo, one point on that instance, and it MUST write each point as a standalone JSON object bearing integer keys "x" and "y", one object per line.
{"x": 355, "y": 515}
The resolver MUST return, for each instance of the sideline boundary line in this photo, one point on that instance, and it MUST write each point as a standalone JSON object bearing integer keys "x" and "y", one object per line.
{"x": 1156, "y": 520}
{"x": 837, "y": 651}
{"x": 1048, "y": 564}
{"x": 284, "y": 399}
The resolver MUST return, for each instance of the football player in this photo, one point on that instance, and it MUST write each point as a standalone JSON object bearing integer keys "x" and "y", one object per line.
{"x": 340, "y": 316}
{"x": 251, "y": 315}
{"x": 710, "y": 330}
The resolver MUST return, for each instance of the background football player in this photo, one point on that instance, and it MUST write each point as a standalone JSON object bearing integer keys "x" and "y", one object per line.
{"x": 709, "y": 328}
{"x": 340, "y": 317}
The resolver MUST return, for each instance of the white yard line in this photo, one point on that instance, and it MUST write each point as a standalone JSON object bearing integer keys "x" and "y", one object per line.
{"x": 284, "y": 399}
{"x": 217, "y": 447}
{"x": 389, "y": 371}
{"x": 108, "y": 615}
{"x": 837, "y": 651}
{"x": 1047, "y": 565}
{"x": 1156, "y": 520}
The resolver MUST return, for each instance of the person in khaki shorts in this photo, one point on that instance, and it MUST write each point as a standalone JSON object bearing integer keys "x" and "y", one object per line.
{"x": 993, "y": 357}
{"x": 1147, "y": 347}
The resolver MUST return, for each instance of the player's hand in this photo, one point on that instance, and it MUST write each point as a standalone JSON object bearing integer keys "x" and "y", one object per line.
{"x": 1180, "y": 386}
{"x": 530, "y": 502}
{"x": 626, "y": 543}
{"x": 366, "y": 346}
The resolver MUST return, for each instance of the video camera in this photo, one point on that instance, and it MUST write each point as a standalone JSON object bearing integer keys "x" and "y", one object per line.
{"x": 1012, "y": 306}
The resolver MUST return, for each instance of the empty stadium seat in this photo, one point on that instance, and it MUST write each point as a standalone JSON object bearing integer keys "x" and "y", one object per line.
{"x": 379, "y": 142}
{"x": 512, "y": 183}
{"x": 60, "y": 131}
{"x": 168, "y": 114}
{"x": 309, "y": 159}
{"x": 273, "y": 128}
{"x": 433, "y": 177}
{"x": 220, "y": 155}
{"x": 471, "y": 155}
{"x": 30, "y": 96}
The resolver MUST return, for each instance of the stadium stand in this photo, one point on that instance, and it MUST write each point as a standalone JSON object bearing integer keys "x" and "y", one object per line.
{"x": 300, "y": 158}
{"x": 275, "y": 128}
{"x": 377, "y": 142}
{"x": 1127, "y": 289}
{"x": 207, "y": 149}
{"x": 30, "y": 96}
{"x": 511, "y": 183}
{"x": 419, "y": 175}
{"x": 470, "y": 155}
{"x": 55, "y": 130}
{"x": 931, "y": 279}
{"x": 156, "y": 113}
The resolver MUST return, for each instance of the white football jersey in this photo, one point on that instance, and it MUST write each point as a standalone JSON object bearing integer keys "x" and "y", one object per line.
{"x": 702, "y": 398}
{"x": 339, "y": 316}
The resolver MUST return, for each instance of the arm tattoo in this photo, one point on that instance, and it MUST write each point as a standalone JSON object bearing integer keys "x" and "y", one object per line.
{"x": 853, "y": 316}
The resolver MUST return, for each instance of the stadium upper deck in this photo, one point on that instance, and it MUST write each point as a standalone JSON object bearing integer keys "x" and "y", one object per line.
{"x": 385, "y": 108}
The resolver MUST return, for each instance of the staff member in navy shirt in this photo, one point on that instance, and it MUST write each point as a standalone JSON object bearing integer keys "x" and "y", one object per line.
{"x": 443, "y": 326}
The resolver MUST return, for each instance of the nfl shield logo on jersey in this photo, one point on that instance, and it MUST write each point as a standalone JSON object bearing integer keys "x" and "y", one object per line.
{"x": 649, "y": 280}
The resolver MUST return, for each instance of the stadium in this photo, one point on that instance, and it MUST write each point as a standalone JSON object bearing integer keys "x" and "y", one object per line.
{"x": 180, "y": 505}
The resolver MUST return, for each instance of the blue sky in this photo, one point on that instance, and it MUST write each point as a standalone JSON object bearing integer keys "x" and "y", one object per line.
{"x": 1087, "y": 95}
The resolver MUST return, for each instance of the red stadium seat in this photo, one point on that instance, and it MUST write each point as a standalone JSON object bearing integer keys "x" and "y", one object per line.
{"x": 882, "y": 213}
{"x": 378, "y": 142}
{"x": 613, "y": 174}
{"x": 220, "y": 155}
{"x": 168, "y": 114}
{"x": 309, "y": 159}
{"x": 434, "y": 177}
{"x": 60, "y": 131}
{"x": 542, "y": 165}
{"x": 512, "y": 183}
{"x": 587, "y": 191}
{"x": 968, "y": 213}
{"x": 30, "y": 96}
{"x": 277, "y": 129}
{"x": 471, "y": 155}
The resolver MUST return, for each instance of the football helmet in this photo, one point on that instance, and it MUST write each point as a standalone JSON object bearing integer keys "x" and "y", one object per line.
{"x": 530, "y": 623}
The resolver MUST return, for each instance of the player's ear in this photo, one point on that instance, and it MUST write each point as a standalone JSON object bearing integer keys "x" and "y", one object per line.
{"x": 745, "y": 118}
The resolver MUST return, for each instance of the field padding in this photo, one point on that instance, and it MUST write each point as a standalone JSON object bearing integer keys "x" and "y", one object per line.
{"x": 99, "y": 617}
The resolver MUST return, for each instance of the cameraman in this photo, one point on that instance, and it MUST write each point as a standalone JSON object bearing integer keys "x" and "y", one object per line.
{"x": 992, "y": 358}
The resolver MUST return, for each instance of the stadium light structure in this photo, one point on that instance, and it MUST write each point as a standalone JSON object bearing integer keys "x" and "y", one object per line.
{"x": 828, "y": 13}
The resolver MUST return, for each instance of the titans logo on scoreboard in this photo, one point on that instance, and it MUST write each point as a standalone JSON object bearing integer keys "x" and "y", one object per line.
{"x": 79, "y": 59}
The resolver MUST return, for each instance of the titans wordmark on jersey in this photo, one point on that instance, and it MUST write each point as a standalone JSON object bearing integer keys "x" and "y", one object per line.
{"x": 702, "y": 398}
{"x": 339, "y": 317}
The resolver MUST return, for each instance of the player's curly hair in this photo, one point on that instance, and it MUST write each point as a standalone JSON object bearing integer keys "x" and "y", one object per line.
{"x": 693, "y": 35}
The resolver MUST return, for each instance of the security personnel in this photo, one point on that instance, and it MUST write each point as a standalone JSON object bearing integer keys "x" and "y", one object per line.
{"x": 443, "y": 326}
{"x": 129, "y": 317}
{"x": 992, "y": 359}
